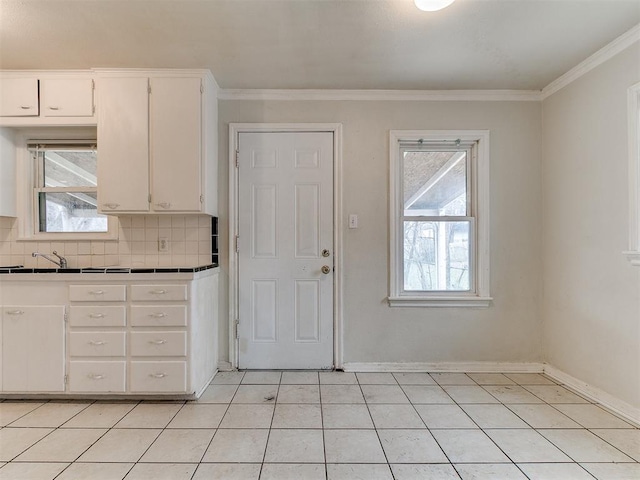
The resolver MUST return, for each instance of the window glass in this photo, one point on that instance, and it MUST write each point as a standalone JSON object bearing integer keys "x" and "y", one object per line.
{"x": 66, "y": 189}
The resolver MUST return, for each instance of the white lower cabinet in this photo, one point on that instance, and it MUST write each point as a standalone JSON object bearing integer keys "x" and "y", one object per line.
{"x": 116, "y": 335}
{"x": 33, "y": 353}
{"x": 97, "y": 377}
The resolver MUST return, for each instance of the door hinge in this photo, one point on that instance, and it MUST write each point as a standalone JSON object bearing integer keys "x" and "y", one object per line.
{"x": 201, "y": 87}
{"x": 149, "y": 88}
{"x": 237, "y": 243}
{"x": 93, "y": 90}
{"x": 66, "y": 315}
{"x": 66, "y": 379}
{"x": 201, "y": 198}
{"x": 149, "y": 198}
{"x": 237, "y": 328}
{"x": 237, "y": 158}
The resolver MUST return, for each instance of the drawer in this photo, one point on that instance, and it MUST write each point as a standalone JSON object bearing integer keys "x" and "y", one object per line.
{"x": 97, "y": 316}
{"x": 158, "y": 315}
{"x": 169, "y": 377}
{"x": 97, "y": 376}
{"x": 97, "y": 293}
{"x": 158, "y": 292}
{"x": 158, "y": 344}
{"x": 97, "y": 344}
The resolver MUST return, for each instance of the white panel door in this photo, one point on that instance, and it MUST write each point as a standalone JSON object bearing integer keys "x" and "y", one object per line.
{"x": 285, "y": 210}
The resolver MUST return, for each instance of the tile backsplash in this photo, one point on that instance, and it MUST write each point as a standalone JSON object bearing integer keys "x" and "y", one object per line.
{"x": 192, "y": 242}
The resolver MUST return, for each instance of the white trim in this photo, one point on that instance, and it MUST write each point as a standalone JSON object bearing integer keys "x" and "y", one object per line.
{"x": 606, "y": 400}
{"x": 461, "y": 301}
{"x": 336, "y": 129}
{"x": 225, "y": 366}
{"x": 633, "y": 111}
{"x": 381, "y": 95}
{"x": 481, "y": 191}
{"x": 605, "y": 53}
{"x": 463, "y": 367}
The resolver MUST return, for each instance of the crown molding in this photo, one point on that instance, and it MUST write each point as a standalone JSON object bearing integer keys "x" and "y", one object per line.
{"x": 605, "y": 53}
{"x": 381, "y": 95}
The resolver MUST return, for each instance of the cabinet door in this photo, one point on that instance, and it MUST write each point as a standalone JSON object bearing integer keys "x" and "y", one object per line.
{"x": 175, "y": 118}
{"x": 123, "y": 145}
{"x": 19, "y": 97}
{"x": 33, "y": 349}
{"x": 67, "y": 97}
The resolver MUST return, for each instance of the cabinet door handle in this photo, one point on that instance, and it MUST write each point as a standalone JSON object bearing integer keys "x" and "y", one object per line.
{"x": 157, "y": 375}
{"x": 157, "y": 315}
{"x": 54, "y": 108}
{"x": 157, "y": 342}
{"x": 96, "y": 315}
{"x": 97, "y": 343}
{"x": 164, "y": 204}
{"x": 15, "y": 312}
{"x": 96, "y": 292}
{"x": 112, "y": 206}
{"x": 157, "y": 292}
{"x": 95, "y": 376}
{"x": 25, "y": 107}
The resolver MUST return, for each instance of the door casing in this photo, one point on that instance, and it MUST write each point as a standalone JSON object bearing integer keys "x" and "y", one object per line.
{"x": 338, "y": 227}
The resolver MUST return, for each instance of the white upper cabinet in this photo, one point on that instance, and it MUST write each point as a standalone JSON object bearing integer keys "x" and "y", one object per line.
{"x": 46, "y": 98}
{"x": 157, "y": 142}
{"x": 123, "y": 144}
{"x": 66, "y": 97}
{"x": 176, "y": 144}
{"x": 19, "y": 97}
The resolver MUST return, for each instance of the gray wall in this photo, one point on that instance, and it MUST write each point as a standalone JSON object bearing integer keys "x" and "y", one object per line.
{"x": 591, "y": 303}
{"x": 509, "y": 330}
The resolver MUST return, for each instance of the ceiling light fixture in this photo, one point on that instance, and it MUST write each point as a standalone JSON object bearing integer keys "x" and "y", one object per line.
{"x": 432, "y": 5}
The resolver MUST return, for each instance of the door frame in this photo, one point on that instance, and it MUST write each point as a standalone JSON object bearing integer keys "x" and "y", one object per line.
{"x": 338, "y": 227}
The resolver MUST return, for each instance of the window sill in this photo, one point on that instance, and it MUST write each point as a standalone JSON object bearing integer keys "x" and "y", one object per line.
{"x": 64, "y": 237}
{"x": 442, "y": 301}
{"x": 633, "y": 257}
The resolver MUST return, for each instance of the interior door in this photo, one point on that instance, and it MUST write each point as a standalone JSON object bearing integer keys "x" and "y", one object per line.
{"x": 285, "y": 250}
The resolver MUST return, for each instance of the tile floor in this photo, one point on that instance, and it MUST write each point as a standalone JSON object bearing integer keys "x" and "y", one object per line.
{"x": 335, "y": 426}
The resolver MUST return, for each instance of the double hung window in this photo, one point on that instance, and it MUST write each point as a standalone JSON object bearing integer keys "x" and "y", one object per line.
{"x": 439, "y": 218}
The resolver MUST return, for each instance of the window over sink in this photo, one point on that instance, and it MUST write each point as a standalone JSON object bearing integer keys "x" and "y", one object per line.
{"x": 59, "y": 181}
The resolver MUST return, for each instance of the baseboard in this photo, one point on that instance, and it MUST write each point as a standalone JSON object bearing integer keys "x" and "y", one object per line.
{"x": 595, "y": 394}
{"x": 225, "y": 366}
{"x": 466, "y": 367}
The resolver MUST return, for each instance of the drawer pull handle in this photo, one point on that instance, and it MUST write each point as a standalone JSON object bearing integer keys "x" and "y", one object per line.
{"x": 25, "y": 107}
{"x": 164, "y": 204}
{"x": 112, "y": 206}
{"x": 54, "y": 108}
{"x": 157, "y": 315}
{"x": 97, "y": 343}
{"x": 95, "y": 376}
{"x": 96, "y": 292}
{"x": 157, "y": 292}
{"x": 157, "y": 375}
{"x": 15, "y": 312}
{"x": 157, "y": 342}
{"x": 96, "y": 315}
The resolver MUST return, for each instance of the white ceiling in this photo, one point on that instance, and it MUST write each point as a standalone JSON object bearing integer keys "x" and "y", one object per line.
{"x": 319, "y": 44}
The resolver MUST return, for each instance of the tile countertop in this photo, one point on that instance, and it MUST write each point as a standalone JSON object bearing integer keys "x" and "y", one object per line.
{"x": 18, "y": 269}
{"x": 113, "y": 273}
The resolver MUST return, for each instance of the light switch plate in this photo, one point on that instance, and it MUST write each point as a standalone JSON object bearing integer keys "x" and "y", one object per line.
{"x": 353, "y": 220}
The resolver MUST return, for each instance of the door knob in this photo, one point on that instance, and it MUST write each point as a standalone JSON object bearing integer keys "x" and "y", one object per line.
{"x": 326, "y": 269}
{"x": 326, "y": 253}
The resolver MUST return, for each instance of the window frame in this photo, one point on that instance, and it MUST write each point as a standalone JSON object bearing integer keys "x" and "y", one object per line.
{"x": 27, "y": 176}
{"x": 633, "y": 102}
{"x": 478, "y": 181}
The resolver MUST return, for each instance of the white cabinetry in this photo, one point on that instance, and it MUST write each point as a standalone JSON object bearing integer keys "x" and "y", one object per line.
{"x": 157, "y": 136}
{"x": 19, "y": 97}
{"x": 7, "y": 173}
{"x": 46, "y": 98}
{"x": 33, "y": 348}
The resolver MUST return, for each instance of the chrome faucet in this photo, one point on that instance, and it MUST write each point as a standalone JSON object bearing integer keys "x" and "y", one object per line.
{"x": 62, "y": 263}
